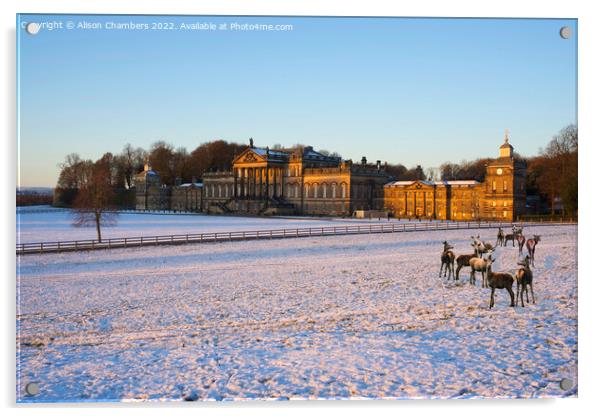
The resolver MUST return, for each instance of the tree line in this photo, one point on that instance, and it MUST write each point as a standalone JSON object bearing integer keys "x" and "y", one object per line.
{"x": 552, "y": 174}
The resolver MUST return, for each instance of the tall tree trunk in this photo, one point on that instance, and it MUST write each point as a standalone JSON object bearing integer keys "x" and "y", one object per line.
{"x": 97, "y": 217}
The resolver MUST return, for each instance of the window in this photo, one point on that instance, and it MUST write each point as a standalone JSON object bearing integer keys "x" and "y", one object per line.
{"x": 334, "y": 190}
{"x": 315, "y": 190}
{"x": 343, "y": 191}
{"x": 505, "y": 186}
{"x": 494, "y": 186}
{"x": 324, "y": 191}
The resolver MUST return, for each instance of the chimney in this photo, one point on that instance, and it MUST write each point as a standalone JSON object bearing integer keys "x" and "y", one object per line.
{"x": 378, "y": 165}
{"x": 364, "y": 161}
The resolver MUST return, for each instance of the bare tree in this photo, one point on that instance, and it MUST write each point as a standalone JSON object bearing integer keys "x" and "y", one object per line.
{"x": 94, "y": 202}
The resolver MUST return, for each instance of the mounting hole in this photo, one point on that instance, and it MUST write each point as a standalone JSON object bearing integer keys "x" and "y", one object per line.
{"x": 31, "y": 389}
{"x": 32, "y": 28}
{"x": 565, "y": 32}
{"x": 566, "y": 384}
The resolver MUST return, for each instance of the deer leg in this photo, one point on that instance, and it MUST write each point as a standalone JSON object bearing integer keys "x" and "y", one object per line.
{"x": 441, "y": 268}
{"x": 521, "y": 288}
{"x": 532, "y": 294}
{"x": 526, "y": 290}
{"x": 509, "y": 289}
{"x": 491, "y": 300}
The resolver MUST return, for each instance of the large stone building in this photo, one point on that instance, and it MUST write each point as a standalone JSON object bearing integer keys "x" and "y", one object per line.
{"x": 305, "y": 182}
{"x": 502, "y": 195}
{"x": 294, "y": 181}
{"x": 152, "y": 195}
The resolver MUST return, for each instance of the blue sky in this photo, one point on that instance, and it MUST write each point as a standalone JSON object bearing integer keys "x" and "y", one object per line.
{"x": 411, "y": 91}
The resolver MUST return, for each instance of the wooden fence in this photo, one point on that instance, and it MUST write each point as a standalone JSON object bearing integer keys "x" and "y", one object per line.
{"x": 223, "y": 236}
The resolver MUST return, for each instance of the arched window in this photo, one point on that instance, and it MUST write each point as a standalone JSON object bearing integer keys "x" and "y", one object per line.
{"x": 315, "y": 190}
{"x": 334, "y": 190}
{"x": 324, "y": 191}
{"x": 343, "y": 190}
{"x": 296, "y": 191}
{"x": 306, "y": 190}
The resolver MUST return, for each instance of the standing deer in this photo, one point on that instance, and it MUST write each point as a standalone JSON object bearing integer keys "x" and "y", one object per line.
{"x": 497, "y": 280}
{"x": 479, "y": 265}
{"x": 509, "y": 237}
{"x": 524, "y": 278}
{"x": 464, "y": 260}
{"x": 447, "y": 259}
{"x": 480, "y": 246}
{"x": 520, "y": 239}
{"x": 531, "y": 243}
{"x": 500, "y": 237}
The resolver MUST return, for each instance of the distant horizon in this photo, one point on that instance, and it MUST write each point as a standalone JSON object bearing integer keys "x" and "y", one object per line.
{"x": 403, "y": 90}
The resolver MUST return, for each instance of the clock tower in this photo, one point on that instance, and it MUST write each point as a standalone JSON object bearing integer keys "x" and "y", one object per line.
{"x": 504, "y": 193}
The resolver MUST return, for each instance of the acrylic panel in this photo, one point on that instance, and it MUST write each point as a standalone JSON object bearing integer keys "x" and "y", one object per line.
{"x": 295, "y": 208}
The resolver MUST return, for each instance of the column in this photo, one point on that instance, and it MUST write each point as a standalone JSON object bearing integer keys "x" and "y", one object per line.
{"x": 235, "y": 182}
{"x": 267, "y": 182}
{"x": 261, "y": 183}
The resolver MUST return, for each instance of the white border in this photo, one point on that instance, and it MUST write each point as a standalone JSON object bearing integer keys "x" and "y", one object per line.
{"x": 590, "y": 134}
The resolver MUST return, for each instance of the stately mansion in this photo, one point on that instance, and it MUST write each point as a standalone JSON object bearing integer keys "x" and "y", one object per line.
{"x": 302, "y": 181}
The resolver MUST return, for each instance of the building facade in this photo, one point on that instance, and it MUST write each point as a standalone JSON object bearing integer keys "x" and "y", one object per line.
{"x": 294, "y": 181}
{"x": 302, "y": 181}
{"x": 501, "y": 197}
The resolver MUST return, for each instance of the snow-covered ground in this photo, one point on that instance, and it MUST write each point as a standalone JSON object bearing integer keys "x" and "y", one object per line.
{"x": 57, "y": 226}
{"x": 330, "y": 317}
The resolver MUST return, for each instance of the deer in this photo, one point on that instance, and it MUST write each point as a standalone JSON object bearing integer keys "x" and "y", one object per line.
{"x": 524, "y": 279}
{"x": 500, "y": 237}
{"x": 463, "y": 260}
{"x": 479, "y": 265}
{"x": 531, "y": 243}
{"x": 499, "y": 280}
{"x": 520, "y": 239}
{"x": 509, "y": 237}
{"x": 480, "y": 246}
{"x": 447, "y": 260}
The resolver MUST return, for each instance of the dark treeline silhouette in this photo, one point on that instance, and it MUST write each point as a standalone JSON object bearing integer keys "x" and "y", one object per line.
{"x": 551, "y": 175}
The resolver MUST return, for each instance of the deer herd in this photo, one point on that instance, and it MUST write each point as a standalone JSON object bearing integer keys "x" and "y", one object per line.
{"x": 481, "y": 260}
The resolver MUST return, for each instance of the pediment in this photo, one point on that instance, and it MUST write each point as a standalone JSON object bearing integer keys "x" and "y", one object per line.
{"x": 418, "y": 185}
{"x": 249, "y": 156}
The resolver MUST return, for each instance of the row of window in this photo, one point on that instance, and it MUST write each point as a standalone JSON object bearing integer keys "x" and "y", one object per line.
{"x": 311, "y": 191}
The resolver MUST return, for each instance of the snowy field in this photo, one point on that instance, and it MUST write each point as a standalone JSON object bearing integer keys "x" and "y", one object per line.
{"x": 362, "y": 316}
{"x": 57, "y": 226}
